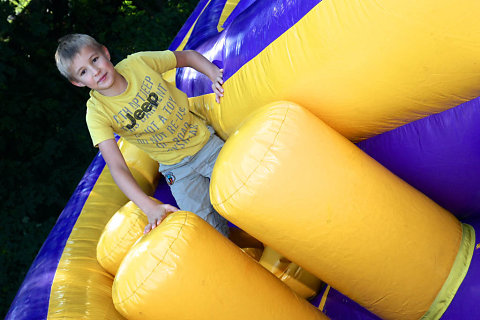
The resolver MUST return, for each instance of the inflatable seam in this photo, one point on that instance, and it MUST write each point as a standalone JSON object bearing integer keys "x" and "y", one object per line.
{"x": 121, "y": 240}
{"x": 457, "y": 274}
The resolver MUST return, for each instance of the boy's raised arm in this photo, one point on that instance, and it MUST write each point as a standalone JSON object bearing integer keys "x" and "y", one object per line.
{"x": 193, "y": 59}
{"x": 126, "y": 182}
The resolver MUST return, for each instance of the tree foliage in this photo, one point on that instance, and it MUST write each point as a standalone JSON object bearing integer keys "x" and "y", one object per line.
{"x": 45, "y": 144}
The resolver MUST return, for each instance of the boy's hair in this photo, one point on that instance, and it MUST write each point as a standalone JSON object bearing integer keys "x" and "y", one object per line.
{"x": 68, "y": 47}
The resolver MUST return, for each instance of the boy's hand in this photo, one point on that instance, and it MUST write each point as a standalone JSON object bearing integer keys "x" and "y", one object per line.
{"x": 195, "y": 60}
{"x": 156, "y": 216}
{"x": 217, "y": 85}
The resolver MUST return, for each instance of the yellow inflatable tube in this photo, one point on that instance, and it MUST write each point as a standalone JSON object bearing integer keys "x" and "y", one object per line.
{"x": 124, "y": 228}
{"x": 363, "y": 67}
{"x": 185, "y": 261}
{"x": 339, "y": 214}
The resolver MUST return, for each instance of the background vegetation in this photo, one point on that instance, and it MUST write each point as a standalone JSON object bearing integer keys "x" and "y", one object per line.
{"x": 45, "y": 146}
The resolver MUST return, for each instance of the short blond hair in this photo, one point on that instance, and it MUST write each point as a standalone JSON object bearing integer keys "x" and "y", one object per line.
{"x": 68, "y": 47}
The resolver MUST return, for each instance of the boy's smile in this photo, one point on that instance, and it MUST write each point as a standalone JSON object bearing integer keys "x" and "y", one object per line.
{"x": 92, "y": 68}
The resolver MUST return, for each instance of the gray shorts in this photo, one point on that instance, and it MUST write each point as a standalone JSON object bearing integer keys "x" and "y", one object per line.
{"x": 189, "y": 181}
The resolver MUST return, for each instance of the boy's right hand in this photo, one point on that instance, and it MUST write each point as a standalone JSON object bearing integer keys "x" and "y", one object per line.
{"x": 157, "y": 214}
{"x": 217, "y": 85}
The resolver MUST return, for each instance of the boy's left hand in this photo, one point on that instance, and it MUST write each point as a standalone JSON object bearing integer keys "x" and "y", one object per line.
{"x": 217, "y": 86}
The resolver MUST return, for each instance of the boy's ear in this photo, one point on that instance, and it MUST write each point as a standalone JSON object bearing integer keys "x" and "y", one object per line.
{"x": 78, "y": 84}
{"x": 106, "y": 52}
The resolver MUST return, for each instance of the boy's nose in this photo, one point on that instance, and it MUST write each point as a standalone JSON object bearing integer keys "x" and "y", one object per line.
{"x": 95, "y": 70}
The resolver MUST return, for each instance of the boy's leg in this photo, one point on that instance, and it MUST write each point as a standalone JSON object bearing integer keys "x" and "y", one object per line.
{"x": 189, "y": 182}
{"x": 191, "y": 192}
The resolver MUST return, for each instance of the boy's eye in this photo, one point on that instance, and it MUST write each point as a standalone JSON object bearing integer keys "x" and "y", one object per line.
{"x": 82, "y": 72}
{"x": 95, "y": 59}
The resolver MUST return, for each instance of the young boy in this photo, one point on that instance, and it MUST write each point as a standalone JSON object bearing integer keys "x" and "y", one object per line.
{"x": 133, "y": 100}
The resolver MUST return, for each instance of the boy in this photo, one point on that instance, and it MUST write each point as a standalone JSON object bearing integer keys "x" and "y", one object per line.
{"x": 133, "y": 100}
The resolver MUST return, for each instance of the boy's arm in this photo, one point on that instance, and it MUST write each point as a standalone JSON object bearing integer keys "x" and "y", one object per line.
{"x": 126, "y": 182}
{"x": 193, "y": 59}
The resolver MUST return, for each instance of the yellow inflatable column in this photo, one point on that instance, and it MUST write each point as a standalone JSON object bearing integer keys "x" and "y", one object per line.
{"x": 121, "y": 232}
{"x": 185, "y": 269}
{"x": 300, "y": 187}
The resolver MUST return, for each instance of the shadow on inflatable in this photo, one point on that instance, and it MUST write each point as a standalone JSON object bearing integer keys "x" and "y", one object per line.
{"x": 350, "y": 175}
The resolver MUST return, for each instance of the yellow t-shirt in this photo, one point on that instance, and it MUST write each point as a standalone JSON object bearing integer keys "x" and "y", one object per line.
{"x": 151, "y": 113}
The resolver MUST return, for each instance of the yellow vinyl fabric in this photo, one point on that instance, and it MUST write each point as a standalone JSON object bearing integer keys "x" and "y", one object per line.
{"x": 363, "y": 67}
{"x": 81, "y": 288}
{"x": 121, "y": 232}
{"x": 185, "y": 269}
{"x": 246, "y": 242}
{"x": 335, "y": 211}
{"x": 305, "y": 284}
{"x": 227, "y": 10}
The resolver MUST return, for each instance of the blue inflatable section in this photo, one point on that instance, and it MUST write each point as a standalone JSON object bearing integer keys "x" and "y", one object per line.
{"x": 439, "y": 155}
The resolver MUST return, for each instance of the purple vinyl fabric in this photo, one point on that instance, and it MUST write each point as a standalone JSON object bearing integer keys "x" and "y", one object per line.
{"x": 253, "y": 30}
{"x": 187, "y": 25}
{"x": 241, "y": 6}
{"x": 439, "y": 155}
{"x": 32, "y": 299}
{"x": 339, "y": 307}
{"x": 206, "y": 26}
{"x": 163, "y": 193}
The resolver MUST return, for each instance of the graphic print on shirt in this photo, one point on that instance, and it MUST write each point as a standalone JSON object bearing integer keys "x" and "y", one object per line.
{"x": 154, "y": 117}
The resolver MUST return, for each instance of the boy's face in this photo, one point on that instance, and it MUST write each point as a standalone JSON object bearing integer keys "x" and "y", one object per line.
{"x": 92, "y": 68}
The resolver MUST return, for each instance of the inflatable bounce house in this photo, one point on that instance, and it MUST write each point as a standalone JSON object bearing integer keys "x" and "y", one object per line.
{"x": 350, "y": 175}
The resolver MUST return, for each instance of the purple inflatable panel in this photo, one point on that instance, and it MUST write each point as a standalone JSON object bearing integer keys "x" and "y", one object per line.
{"x": 439, "y": 155}
{"x": 253, "y": 29}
